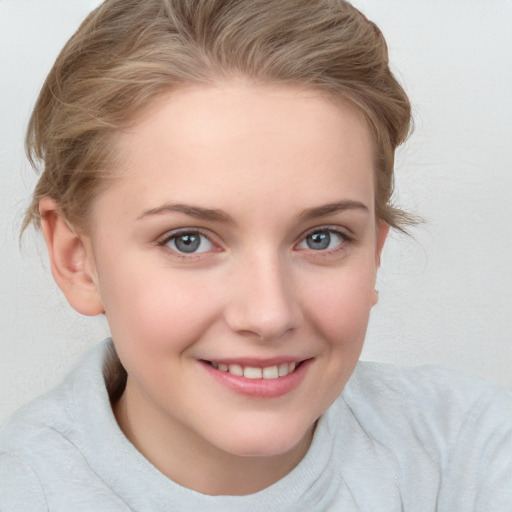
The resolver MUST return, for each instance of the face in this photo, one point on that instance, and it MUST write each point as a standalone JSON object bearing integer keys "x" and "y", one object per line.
{"x": 236, "y": 259}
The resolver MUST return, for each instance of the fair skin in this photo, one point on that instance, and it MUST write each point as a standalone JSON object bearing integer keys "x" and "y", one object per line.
{"x": 241, "y": 232}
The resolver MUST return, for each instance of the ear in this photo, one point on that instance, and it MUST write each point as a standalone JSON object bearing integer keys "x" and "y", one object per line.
{"x": 71, "y": 259}
{"x": 382, "y": 233}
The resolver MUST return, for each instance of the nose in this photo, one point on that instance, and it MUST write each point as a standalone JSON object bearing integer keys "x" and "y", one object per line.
{"x": 264, "y": 302}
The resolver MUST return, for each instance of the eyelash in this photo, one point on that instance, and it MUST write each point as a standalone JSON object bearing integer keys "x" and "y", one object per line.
{"x": 168, "y": 237}
{"x": 345, "y": 238}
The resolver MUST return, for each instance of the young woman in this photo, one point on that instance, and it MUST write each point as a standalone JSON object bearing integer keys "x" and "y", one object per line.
{"x": 217, "y": 182}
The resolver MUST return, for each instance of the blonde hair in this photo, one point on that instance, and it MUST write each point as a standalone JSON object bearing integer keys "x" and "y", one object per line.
{"x": 128, "y": 52}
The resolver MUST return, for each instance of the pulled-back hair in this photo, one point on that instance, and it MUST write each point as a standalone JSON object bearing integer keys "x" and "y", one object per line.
{"x": 127, "y": 53}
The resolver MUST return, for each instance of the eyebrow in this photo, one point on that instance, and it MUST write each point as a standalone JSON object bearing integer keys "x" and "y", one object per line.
{"x": 193, "y": 211}
{"x": 330, "y": 208}
{"x": 223, "y": 217}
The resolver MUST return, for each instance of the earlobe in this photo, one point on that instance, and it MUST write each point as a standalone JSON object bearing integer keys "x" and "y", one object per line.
{"x": 70, "y": 260}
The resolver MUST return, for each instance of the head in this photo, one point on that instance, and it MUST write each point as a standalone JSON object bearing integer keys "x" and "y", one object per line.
{"x": 128, "y": 53}
{"x": 217, "y": 180}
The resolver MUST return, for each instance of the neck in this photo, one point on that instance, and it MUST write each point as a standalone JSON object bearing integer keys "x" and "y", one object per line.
{"x": 192, "y": 462}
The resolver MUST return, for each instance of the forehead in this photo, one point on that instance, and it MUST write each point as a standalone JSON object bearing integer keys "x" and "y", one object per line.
{"x": 233, "y": 142}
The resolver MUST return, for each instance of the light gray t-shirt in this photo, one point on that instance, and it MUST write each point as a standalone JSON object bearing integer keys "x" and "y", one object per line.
{"x": 396, "y": 439}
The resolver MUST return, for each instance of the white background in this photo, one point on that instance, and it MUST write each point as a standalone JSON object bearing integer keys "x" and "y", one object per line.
{"x": 445, "y": 297}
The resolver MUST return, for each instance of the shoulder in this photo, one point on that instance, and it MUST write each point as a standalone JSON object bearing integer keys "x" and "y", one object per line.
{"x": 38, "y": 420}
{"x": 458, "y": 425}
{"x": 47, "y": 448}
{"x": 28, "y": 438}
{"x": 427, "y": 390}
{"x": 54, "y": 411}
{"x": 420, "y": 381}
{"x": 438, "y": 403}
{"x": 18, "y": 479}
{"x": 43, "y": 433}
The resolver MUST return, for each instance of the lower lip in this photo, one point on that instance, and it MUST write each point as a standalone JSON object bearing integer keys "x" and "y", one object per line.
{"x": 260, "y": 388}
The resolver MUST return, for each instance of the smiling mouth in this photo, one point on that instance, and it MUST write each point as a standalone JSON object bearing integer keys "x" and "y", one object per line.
{"x": 253, "y": 372}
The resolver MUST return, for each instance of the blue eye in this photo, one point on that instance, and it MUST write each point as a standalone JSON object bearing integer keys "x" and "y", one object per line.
{"x": 189, "y": 242}
{"x": 322, "y": 240}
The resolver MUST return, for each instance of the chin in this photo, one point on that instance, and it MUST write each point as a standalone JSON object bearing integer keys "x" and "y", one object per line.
{"x": 268, "y": 442}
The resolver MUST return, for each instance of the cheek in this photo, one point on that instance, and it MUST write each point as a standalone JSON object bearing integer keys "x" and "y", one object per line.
{"x": 158, "y": 310}
{"x": 155, "y": 320}
{"x": 340, "y": 304}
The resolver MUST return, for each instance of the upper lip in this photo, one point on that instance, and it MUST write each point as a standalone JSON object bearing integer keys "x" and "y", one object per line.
{"x": 256, "y": 362}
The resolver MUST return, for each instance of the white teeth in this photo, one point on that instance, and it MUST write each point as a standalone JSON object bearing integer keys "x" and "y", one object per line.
{"x": 253, "y": 373}
{"x": 284, "y": 369}
{"x": 270, "y": 372}
{"x": 236, "y": 369}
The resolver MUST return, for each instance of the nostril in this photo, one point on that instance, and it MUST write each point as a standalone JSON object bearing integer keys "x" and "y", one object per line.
{"x": 264, "y": 304}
